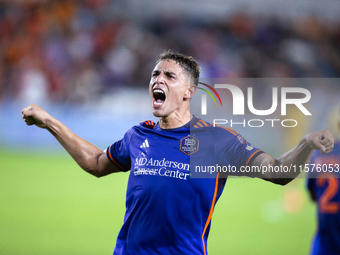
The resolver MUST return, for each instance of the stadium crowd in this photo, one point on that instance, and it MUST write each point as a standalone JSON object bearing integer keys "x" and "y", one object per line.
{"x": 75, "y": 51}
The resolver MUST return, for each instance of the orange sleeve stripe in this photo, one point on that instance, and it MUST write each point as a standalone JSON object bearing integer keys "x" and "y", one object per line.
{"x": 149, "y": 123}
{"x": 251, "y": 157}
{"x": 211, "y": 212}
{"x": 119, "y": 166}
{"x": 203, "y": 122}
{"x": 198, "y": 123}
{"x": 229, "y": 129}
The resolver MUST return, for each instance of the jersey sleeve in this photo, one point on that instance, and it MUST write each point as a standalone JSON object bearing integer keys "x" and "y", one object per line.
{"x": 119, "y": 152}
{"x": 232, "y": 149}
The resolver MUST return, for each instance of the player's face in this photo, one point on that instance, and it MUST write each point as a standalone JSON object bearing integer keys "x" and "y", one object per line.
{"x": 169, "y": 88}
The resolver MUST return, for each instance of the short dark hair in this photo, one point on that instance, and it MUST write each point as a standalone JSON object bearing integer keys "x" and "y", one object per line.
{"x": 188, "y": 63}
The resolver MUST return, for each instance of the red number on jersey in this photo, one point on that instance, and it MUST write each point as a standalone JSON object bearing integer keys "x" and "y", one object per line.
{"x": 325, "y": 203}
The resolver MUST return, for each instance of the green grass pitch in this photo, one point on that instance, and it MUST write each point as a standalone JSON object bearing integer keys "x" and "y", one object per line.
{"x": 50, "y": 206}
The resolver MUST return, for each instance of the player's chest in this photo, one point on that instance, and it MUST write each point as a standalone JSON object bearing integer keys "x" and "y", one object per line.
{"x": 170, "y": 156}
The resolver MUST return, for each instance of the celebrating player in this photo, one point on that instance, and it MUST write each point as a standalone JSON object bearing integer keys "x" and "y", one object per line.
{"x": 167, "y": 211}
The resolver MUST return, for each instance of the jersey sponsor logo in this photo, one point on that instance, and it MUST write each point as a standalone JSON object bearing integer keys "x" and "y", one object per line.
{"x": 161, "y": 167}
{"x": 189, "y": 145}
{"x": 145, "y": 144}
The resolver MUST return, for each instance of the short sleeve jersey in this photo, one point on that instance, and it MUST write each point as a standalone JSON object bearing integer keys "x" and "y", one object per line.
{"x": 325, "y": 187}
{"x": 167, "y": 210}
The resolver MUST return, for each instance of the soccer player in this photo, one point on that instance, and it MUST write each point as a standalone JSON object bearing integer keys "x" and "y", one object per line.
{"x": 323, "y": 186}
{"x": 167, "y": 211}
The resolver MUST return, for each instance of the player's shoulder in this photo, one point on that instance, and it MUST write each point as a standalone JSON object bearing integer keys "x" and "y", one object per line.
{"x": 144, "y": 124}
{"x": 214, "y": 128}
{"x": 144, "y": 127}
{"x": 138, "y": 129}
{"x": 148, "y": 124}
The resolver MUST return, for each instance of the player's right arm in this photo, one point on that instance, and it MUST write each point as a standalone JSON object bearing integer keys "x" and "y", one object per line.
{"x": 88, "y": 157}
{"x": 321, "y": 140}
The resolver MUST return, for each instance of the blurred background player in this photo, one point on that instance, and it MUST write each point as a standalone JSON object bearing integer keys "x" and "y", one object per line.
{"x": 324, "y": 190}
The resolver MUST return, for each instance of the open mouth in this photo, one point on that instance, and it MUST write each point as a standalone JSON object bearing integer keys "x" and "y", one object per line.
{"x": 158, "y": 97}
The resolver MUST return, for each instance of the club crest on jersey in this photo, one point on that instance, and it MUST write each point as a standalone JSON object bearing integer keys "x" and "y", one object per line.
{"x": 243, "y": 141}
{"x": 189, "y": 145}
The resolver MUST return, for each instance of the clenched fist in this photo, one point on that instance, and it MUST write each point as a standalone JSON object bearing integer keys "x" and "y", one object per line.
{"x": 34, "y": 115}
{"x": 321, "y": 140}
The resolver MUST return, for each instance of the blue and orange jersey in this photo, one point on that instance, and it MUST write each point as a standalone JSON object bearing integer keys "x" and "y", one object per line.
{"x": 168, "y": 210}
{"x": 324, "y": 184}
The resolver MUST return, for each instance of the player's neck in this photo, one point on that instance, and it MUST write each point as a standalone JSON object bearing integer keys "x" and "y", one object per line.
{"x": 175, "y": 120}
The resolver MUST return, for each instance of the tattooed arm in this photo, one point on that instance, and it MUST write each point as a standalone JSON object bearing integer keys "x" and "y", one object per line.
{"x": 299, "y": 155}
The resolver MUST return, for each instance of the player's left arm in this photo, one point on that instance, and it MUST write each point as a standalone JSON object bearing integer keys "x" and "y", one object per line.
{"x": 320, "y": 140}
